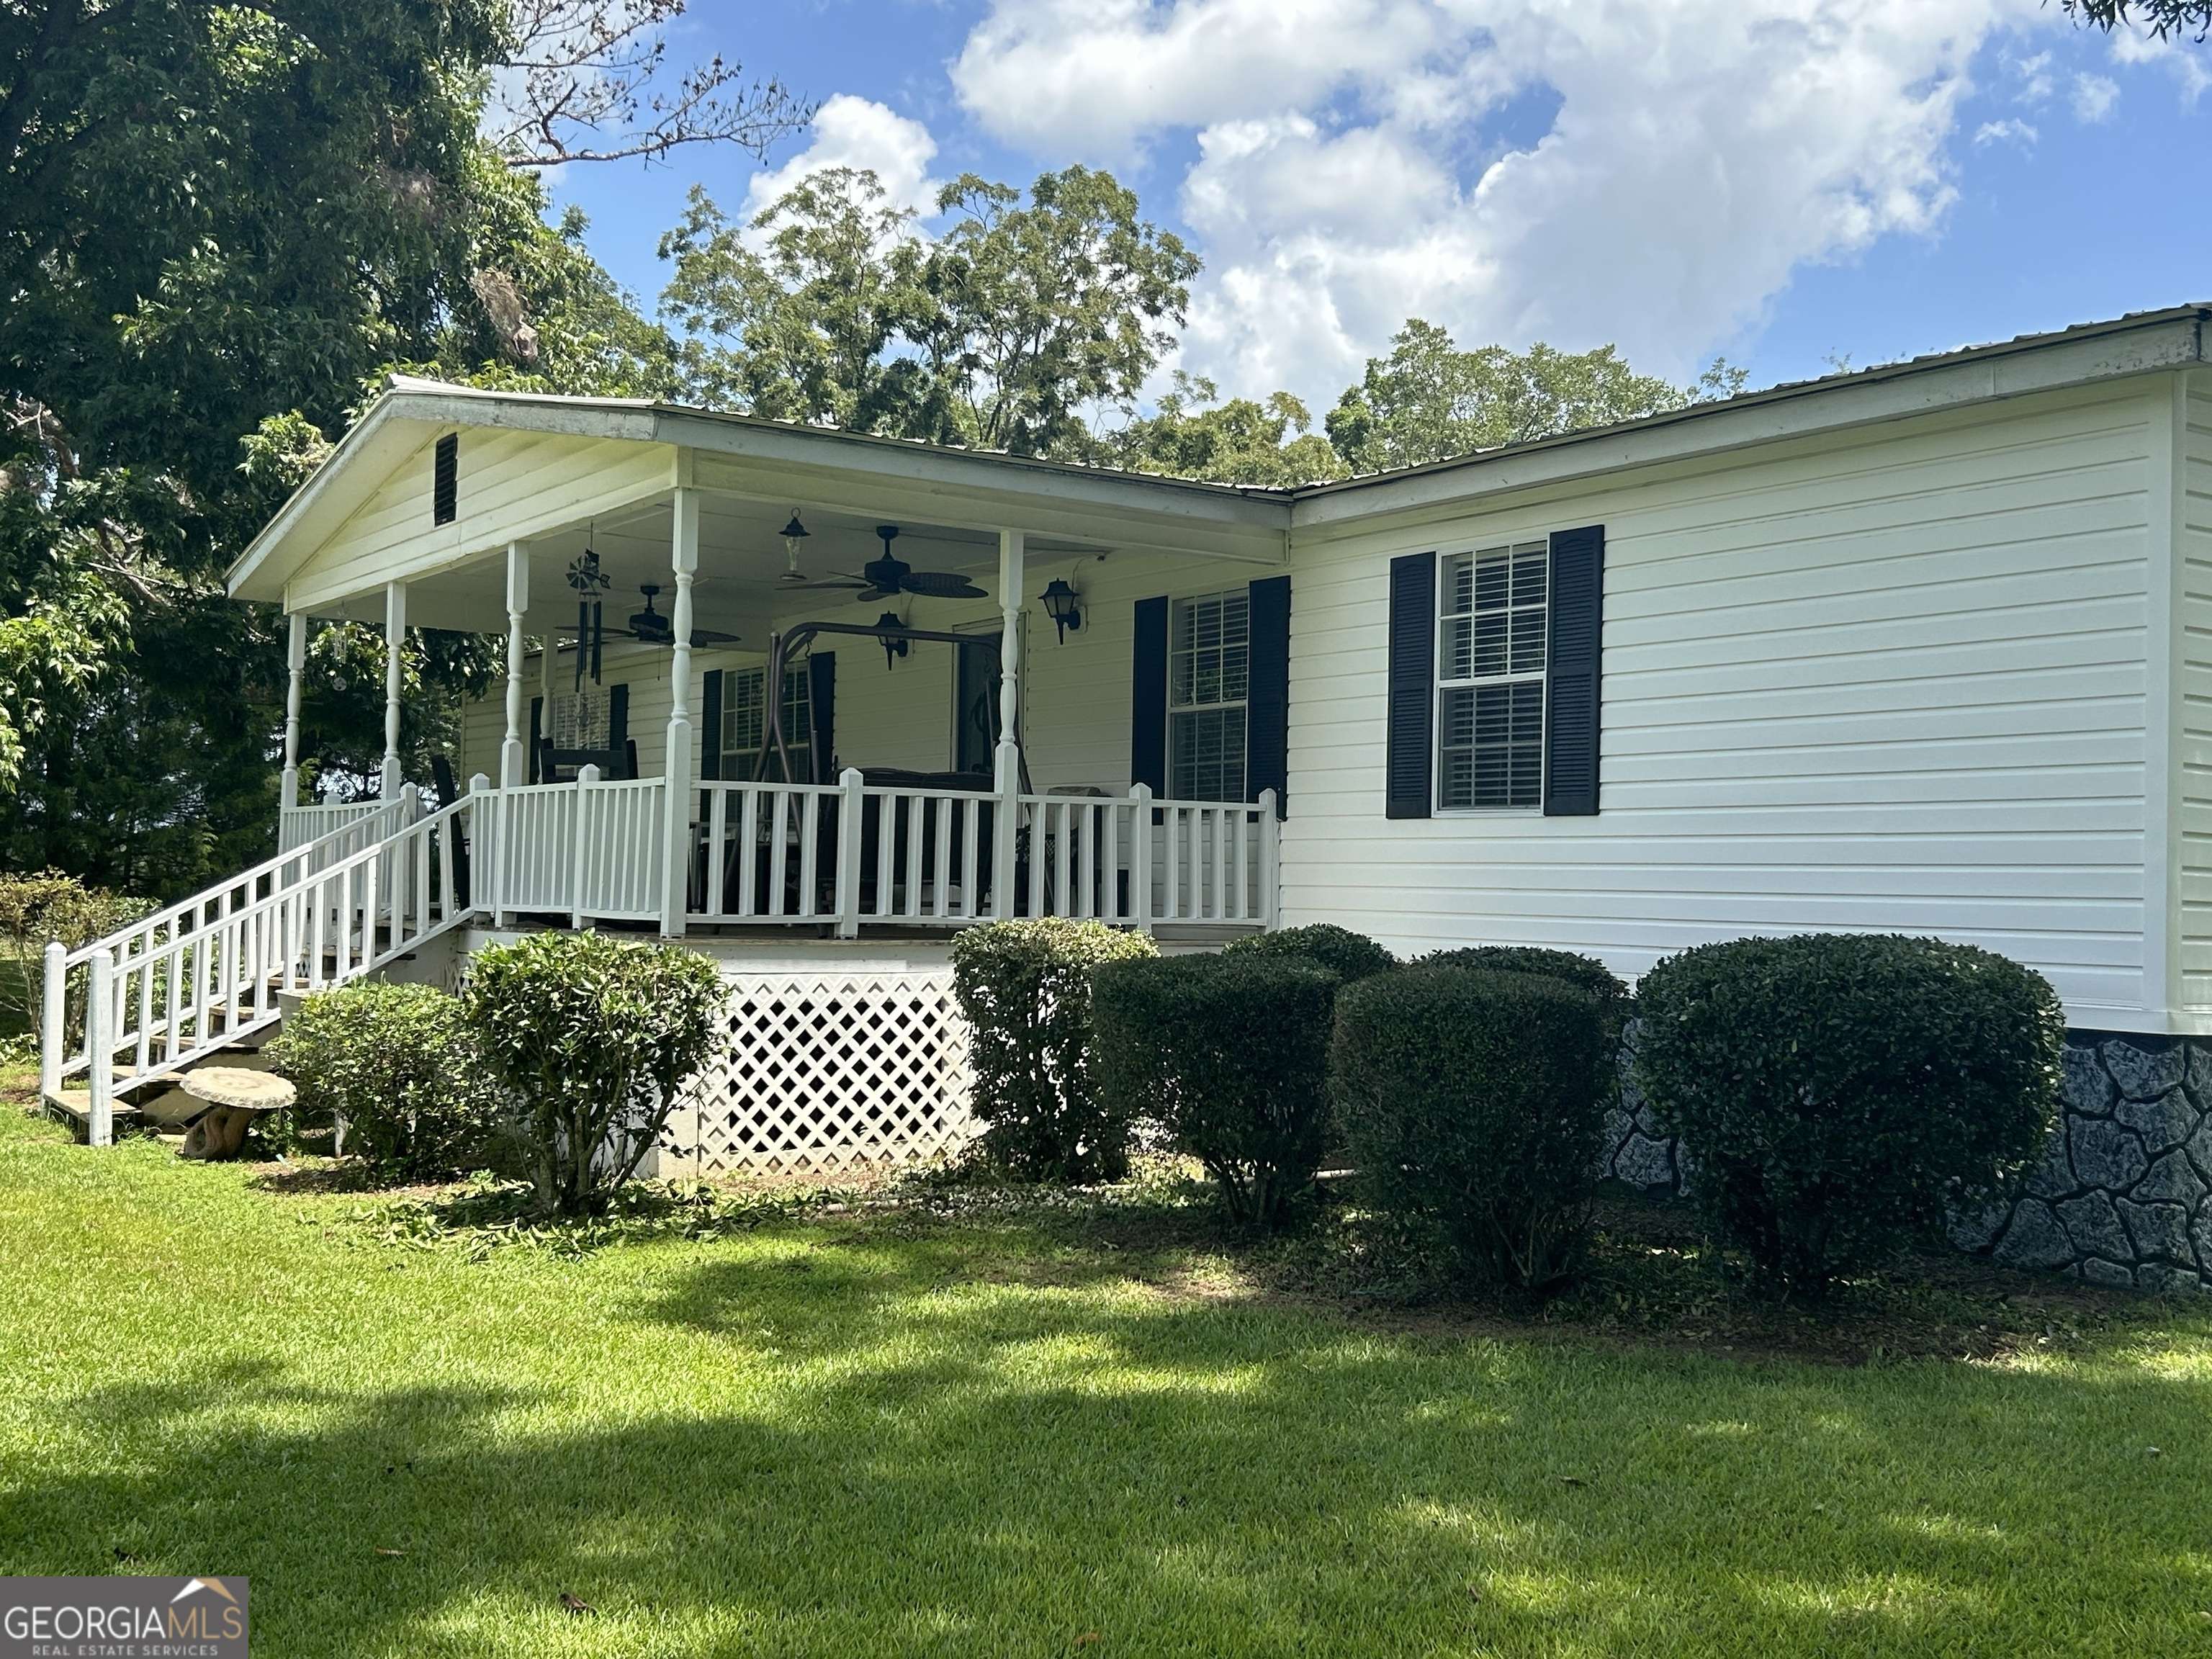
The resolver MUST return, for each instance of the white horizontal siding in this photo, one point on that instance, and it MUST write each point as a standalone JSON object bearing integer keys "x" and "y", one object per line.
{"x": 2194, "y": 674}
{"x": 1893, "y": 681}
{"x": 508, "y": 486}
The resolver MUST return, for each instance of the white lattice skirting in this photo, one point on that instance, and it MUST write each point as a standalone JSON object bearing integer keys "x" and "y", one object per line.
{"x": 827, "y": 1074}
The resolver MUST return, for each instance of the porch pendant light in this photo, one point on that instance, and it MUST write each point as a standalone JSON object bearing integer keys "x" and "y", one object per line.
{"x": 890, "y": 634}
{"x": 793, "y": 532}
{"x": 1063, "y": 604}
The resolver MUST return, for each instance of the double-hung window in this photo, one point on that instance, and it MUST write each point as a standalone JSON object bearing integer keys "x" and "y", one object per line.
{"x": 1492, "y": 615}
{"x": 744, "y": 721}
{"x": 1209, "y": 664}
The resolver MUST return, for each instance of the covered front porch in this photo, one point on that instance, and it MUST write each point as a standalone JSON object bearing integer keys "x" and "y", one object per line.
{"x": 960, "y": 725}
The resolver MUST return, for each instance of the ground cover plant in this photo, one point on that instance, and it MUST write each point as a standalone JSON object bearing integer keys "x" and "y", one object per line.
{"x": 977, "y": 1426}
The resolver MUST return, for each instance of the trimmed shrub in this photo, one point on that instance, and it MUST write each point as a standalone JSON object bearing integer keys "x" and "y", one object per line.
{"x": 593, "y": 1037}
{"x": 1231, "y": 1054}
{"x": 1842, "y": 1094}
{"x": 37, "y": 909}
{"x": 1474, "y": 1106}
{"x": 1351, "y": 956}
{"x": 398, "y": 1067}
{"x": 1584, "y": 973}
{"x": 1025, "y": 988}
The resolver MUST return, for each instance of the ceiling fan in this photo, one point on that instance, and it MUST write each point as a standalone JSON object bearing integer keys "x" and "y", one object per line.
{"x": 649, "y": 627}
{"x": 888, "y": 576}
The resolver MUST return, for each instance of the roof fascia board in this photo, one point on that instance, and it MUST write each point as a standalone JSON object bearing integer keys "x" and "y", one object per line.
{"x": 2163, "y": 344}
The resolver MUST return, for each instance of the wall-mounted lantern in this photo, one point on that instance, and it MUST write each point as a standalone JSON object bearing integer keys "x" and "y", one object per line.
{"x": 890, "y": 634}
{"x": 1063, "y": 604}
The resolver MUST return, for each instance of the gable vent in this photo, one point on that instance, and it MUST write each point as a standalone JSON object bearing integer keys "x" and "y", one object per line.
{"x": 445, "y": 479}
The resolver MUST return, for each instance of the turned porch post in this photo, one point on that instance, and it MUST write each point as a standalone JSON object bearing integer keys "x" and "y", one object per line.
{"x": 513, "y": 768}
{"x": 395, "y": 645}
{"x": 295, "y": 666}
{"x": 676, "y": 870}
{"x": 1006, "y": 761}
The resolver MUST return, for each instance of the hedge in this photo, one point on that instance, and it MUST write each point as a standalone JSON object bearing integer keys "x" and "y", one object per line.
{"x": 1229, "y": 1052}
{"x": 1474, "y": 1106}
{"x": 399, "y": 1070}
{"x": 1025, "y": 988}
{"x": 594, "y": 1037}
{"x": 1841, "y": 1094}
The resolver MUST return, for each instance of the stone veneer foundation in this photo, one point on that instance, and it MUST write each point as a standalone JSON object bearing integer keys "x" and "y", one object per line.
{"x": 2122, "y": 1196}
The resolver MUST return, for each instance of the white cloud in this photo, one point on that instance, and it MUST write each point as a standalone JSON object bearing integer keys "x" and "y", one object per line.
{"x": 2094, "y": 96}
{"x": 1352, "y": 169}
{"x": 857, "y": 132}
{"x": 2177, "y": 54}
{"x": 2006, "y": 132}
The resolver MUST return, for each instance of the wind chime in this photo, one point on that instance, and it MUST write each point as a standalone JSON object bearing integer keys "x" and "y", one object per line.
{"x": 591, "y": 585}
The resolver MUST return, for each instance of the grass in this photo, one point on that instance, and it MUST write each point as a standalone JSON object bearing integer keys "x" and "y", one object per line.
{"x": 1026, "y": 1431}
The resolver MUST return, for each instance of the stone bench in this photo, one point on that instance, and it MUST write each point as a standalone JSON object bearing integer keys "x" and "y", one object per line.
{"x": 235, "y": 1097}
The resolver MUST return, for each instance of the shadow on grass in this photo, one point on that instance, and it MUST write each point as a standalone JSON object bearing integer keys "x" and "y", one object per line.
{"x": 852, "y": 1447}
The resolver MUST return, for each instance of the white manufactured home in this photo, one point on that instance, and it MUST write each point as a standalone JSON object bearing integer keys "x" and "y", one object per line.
{"x": 1925, "y": 649}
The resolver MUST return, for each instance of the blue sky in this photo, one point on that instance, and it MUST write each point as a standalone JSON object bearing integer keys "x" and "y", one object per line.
{"x": 1777, "y": 180}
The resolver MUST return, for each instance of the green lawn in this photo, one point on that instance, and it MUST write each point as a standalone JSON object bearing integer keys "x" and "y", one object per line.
{"x": 891, "y": 1434}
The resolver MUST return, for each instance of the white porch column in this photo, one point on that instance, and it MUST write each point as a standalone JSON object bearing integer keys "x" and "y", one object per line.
{"x": 295, "y": 664}
{"x": 682, "y": 563}
{"x": 513, "y": 771}
{"x": 395, "y": 645}
{"x": 1006, "y": 761}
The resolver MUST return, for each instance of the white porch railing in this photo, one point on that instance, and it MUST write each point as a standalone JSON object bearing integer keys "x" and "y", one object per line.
{"x": 854, "y": 853}
{"x": 297, "y": 826}
{"x": 195, "y": 977}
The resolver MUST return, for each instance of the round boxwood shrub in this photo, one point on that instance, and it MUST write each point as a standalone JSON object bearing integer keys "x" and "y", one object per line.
{"x": 594, "y": 1037}
{"x": 1231, "y": 1054}
{"x": 1842, "y": 1094}
{"x": 1351, "y": 956}
{"x": 1025, "y": 988}
{"x": 1474, "y": 1106}
{"x": 399, "y": 1070}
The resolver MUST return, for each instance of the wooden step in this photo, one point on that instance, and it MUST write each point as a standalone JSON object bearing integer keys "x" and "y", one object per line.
{"x": 74, "y": 1108}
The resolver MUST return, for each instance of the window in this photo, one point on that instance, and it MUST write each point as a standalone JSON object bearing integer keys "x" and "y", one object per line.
{"x": 744, "y": 721}
{"x": 578, "y": 719}
{"x": 1208, "y": 672}
{"x": 1490, "y": 715}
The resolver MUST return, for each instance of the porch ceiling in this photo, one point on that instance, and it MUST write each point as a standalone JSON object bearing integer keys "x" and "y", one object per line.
{"x": 737, "y": 589}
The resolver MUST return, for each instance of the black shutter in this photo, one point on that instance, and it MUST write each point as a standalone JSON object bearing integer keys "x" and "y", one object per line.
{"x": 536, "y": 737}
{"x": 617, "y": 720}
{"x": 821, "y": 711}
{"x": 1267, "y": 693}
{"x": 1409, "y": 748}
{"x": 445, "y": 479}
{"x": 1571, "y": 687}
{"x": 710, "y": 725}
{"x": 1148, "y": 697}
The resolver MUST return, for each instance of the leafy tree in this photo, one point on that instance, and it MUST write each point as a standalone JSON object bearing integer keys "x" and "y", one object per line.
{"x": 1429, "y": 400}
{"x": 798, "y": 323}
{"x": 1002, "y": 332}
{"x": 1194, "y": 434}
{"x": 2161, "y": 17}
{"x": 216, "y": 222}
